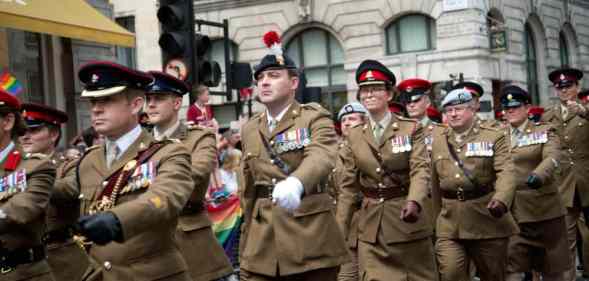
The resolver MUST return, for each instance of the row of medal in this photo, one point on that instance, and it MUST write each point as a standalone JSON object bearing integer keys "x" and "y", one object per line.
{"x": 292, "y": 140}
{"x": 13, "y": 183}
{"x": 401, "y": 144}
{"x": 142, "y": 177}
{"x": 479, "y": 149}
{"x": 533, "y": 138}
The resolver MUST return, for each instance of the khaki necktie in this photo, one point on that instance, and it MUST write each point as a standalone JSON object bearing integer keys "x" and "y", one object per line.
{"x": 272, "y": 125}
{"x": 112, "y": 151}
{"x": 378, "y": 130}
{"x": 565, "y": 113}
{"x": 515, "y": 134}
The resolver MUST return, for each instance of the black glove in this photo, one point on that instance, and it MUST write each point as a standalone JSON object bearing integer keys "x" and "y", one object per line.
{"x": 534, "y": 182}
{"x": 101, "y": 228}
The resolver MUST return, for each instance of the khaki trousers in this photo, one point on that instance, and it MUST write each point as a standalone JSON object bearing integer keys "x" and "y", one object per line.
{"x": 572, "y": 217}
{"x": 489, "y": 257}
{"x": 349, "y": 271}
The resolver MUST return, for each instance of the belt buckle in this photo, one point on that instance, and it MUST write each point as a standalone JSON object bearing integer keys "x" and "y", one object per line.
{"x": 460, "y": 194}
{"x": 6, "y": 269}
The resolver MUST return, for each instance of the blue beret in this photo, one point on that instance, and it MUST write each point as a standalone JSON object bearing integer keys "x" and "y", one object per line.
{"x": 457, "y": 96}
{"x": 353, "y": 107}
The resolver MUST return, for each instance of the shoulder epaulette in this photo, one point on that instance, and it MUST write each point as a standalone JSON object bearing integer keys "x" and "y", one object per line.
{"x": 490, "y": 127}
{"x": 434, "y": 125}
{"x": 403, "y": 118}
{"x": 35, "y": 156}
{"x": 315, "y": 106}
{"x": 88, "y": 149}
{"x": 192, "y": 127}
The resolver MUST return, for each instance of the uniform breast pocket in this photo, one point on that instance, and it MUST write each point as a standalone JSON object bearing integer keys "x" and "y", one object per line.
{"x": 442, "y": 164}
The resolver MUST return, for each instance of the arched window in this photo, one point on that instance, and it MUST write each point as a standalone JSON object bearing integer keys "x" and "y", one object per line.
{"x": 321, "y": 57}
{"x": 531, "y": 64}
{"x": 411, "y": 33}
{"x": 564, "y": 49}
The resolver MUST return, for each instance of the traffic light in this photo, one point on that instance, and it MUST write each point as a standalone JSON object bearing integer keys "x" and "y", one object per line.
{"x": 177, "y": 39}
{"x": 208, "y": 72}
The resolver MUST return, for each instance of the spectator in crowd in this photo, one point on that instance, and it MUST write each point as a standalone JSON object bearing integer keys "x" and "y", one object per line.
{"x": 200, "y": 112}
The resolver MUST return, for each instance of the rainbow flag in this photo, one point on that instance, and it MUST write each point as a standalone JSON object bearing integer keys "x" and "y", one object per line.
{"x": 10, "y": 84}
{"x": 226, "y": 216}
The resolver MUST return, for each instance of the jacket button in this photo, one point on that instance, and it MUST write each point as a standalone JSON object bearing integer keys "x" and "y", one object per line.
{"x": 271, "y": 142}
{"x": 457, "y": 176}
{"x": 378, "y": 170}
{"x": 107, "y": 265}
{"x": 458, "y": 150}
{"x": 380, "y": 185}
{"x": 81, "y": 196}
{"x": 570, "y": 150}
{"x": 572, "y": 163}
{"x": 566, "y": 137}
{"x": 272, "y": 161}
{"x": 104, "y": 183}
{"x": 564, "y": 124}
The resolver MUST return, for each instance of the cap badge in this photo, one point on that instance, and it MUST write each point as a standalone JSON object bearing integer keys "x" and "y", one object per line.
{"x": 409, "y": 90}
{"x": 562, "y": 77}
{"x": 369, "y": 75}
{"x": 94, "y": 78}
{"x": 509, "y": 97}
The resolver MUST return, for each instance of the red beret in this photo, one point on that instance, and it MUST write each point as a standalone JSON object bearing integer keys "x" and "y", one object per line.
{"x": 6, "y": 99}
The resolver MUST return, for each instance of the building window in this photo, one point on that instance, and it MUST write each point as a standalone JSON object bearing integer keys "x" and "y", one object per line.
{"x": 564, "y": 49}
{"x": 531, "y": 64}
{"x": 321, "y": 56}
{"x": 411, "y": 33}
{"x": 125, "y": 55}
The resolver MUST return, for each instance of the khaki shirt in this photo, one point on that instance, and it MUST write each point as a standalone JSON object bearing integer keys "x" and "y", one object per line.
{"x": 22, "y": 224}
{"x": 492, "y": 167}
{"x": 272, "y": 239}
{"x": 573, "y": 133}
{"x": 403, "y": 153}
{"x": 537, "y": 151}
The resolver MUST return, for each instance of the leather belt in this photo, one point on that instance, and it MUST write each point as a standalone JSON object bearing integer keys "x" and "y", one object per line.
{"x": 463, "y": 195}
{"x": 59, "y": 235}
{"x": 9, "y": 260}
{"x": 192, "y": 208}
{"x": 383, "y": 194}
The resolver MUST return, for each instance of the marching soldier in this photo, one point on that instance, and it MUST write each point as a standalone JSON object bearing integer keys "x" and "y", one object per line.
{"x": 473, "y": 171}
{"x": 386, "y": 161}
{"x": 67, "y": 259}
{"x": 205, "y": 257}
{"x": 415, "y": 94}
{"x": 25, "y": 189}
{"x": 350, "y": 115}
{"x": 541, "y": 244}
{"x": 132, "y": 187}
{"x": 289, "y": 230}
{"x": 570, "y": 119}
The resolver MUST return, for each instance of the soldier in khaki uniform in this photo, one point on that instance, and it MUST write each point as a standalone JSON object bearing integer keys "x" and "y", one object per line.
{"x": 350, "y": 115}
{"x": 132, "y": 188}
{"x": 386, "y": 161}
{"x": 204, "y": 255}
{"x": 473, "y": 171}
{"x": 570, "y": 119}
{"x": 25, "y": 189}
{"x": 289, "y": 230}
{"x": 541, "y": 244}
{"x": 67, "y": 259}
{"x": 415, "y": 96}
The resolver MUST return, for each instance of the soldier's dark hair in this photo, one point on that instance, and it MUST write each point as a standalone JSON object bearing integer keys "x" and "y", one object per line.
{"x": 56, "y": 129}
{"x": 19, "y": 127}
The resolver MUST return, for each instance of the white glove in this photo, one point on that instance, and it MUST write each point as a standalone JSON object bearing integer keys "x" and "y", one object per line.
{"x": 287, "y": 193}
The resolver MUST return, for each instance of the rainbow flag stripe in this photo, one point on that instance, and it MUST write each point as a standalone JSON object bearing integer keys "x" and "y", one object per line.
{"x": 10, "y": 84}
{"x": 226, "y": 218}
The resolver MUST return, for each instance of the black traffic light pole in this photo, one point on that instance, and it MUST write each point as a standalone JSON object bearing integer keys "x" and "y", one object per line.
{"x": 228, "y": 88}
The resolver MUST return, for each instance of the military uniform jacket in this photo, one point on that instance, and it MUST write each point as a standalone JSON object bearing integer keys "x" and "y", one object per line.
{"x": 485, "y": 153}
{"x": 22, "y": 222}
{"x": 574, "y": 139}
{"x": 204, "y": 255}
{"x": 309, "y": 238}
{"x": 67, "y": 259}
{"x": 363, "y": 170}
{"x": 538, "y": 152}
{"x": 148, "y": 214}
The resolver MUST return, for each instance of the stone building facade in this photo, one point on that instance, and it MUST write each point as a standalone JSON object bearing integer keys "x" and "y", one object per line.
{"x": 491, "y": 41}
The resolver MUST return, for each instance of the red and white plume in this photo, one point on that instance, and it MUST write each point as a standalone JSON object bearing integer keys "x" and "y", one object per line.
{"x": 272, "y": 41}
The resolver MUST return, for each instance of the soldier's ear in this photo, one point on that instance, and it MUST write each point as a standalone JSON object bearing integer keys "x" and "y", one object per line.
{"x": 295, "y": 83}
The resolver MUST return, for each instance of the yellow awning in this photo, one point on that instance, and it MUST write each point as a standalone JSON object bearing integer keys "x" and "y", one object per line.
{"x": 66, "y": 18}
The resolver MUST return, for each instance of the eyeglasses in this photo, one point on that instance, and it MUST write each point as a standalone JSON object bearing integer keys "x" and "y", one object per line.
{"x": 456, "y": 109}
{"x": 373, "y": 90}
